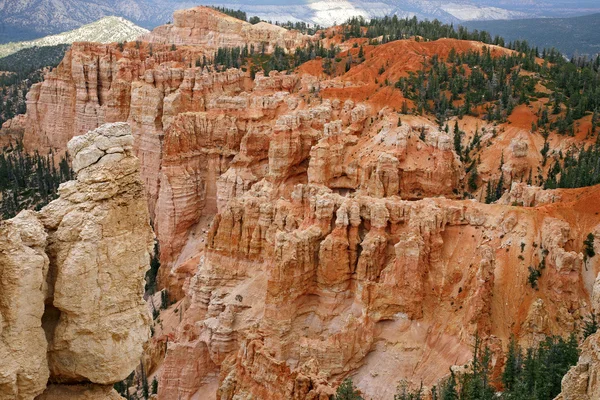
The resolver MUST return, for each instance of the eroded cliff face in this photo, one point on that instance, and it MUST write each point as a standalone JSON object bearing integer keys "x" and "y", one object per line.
{"x": 210, "y": 29}
{"x": 306, "y": 233}
{"x": 72, "y": 278}
{"x": 292, "y": 293}
{"x": 581, "y": 382}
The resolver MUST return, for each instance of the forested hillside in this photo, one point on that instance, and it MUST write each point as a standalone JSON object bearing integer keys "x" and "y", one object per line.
{"x": 19, "y": 71}
{"x": 572, "y": 36}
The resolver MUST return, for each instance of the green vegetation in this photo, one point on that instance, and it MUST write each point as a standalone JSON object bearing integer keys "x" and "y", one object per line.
{"x": 588, "y": 246}
{"x": 347, "y": 391}
{"x": 590, "y": 325}
{"x": 299, "y": 26}
{"x": 123, "y": 387}
{"x": 33, "y": 58}
{"x": 239, "y": 14}
{"x": 154, "y": 386}
{"x": 152, "y": 273}
{"x": 394, "y": 28}
{"x": 578, "y": 168}
{"x": 534, "y": 275}
{"x": 534, "y": 374}
{"x": 278, "y": 60}
{"x": 29, "y": 180}
{"x": 19, "y": 71}
{"x": 443, "y": 88}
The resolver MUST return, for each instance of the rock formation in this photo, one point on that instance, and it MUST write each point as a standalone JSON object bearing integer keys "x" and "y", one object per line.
{"x": 210, "y": 29}
{"x": 71, "y": 308}
{"x": 581, "y": 382}
{"x": 308, "y": 230}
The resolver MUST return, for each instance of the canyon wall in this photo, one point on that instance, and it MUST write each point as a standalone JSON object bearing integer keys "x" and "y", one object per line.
{"x": 308, "y": 231}
{"x": 71, "y": 308}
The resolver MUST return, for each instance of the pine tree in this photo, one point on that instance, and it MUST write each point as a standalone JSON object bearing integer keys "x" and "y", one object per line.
{"x": 154, "y": 386}
{"x": 588, "y": 245}
{"x": 590, "y": 326}
{"x": 347, "y": 391}
{"x": 457, "y": 140}
{"x": 512, "y": 367}
{"x": 473, "y": 178}
{"x": 449, "y": 391}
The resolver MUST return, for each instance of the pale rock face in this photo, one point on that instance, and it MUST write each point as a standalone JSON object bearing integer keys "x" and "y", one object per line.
{"x": 528, "y": 196}
{"x": 96, "y": 231}
{"x": 72, "y": 278}
{"x": 79, "y": 392}
{"x": 519, "y": 147}
{"x": 581, "y": 382}
{"x": 23, "y": 271}
{"x": 206, "y": 27}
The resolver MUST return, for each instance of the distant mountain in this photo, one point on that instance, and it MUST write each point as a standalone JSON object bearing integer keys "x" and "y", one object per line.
{"x": 569, "y": 35}
{"x": 28, "y": 19}
{"x": 105, "y": 30}
{"x": 329, "y": 12}
{"x": 546, "y": 8}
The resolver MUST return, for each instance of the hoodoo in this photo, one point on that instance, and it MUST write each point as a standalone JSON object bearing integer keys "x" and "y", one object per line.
{"x": 72, "y": 314}
{"x": 382, "y": 207}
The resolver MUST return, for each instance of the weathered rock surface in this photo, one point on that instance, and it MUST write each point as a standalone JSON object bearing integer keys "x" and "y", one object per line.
{"x": 23, "y": 272}
{"x": 521, "y": 194}
{"x": 581, "y": 382}
{"x": 210, "y": 29}
{"x": 100, "y": 244}
{"x": 308, "y": 231}
{"x": 79, "y": 392}
{"x": 72, "y": 277}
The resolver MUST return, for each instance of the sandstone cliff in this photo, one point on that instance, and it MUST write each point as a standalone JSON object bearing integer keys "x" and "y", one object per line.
{"x": 581, "y": 382}
{"x": 308, "y": 230}
{"x": 211, "y": 29}
{"x": 71, "y": 308}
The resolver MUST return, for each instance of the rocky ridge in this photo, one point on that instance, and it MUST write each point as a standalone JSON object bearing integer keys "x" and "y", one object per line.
{"x": 105, "y": 30}
{"x": 71, "y": 308}
{"x": 207, "y": 27}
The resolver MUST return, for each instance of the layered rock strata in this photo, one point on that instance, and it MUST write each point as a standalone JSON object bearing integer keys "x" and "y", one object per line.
{"x": 210, "y": 29}
{"x": 309, "y": 232}
{"x": 72, "y": 278}
{"x": 295, "y": 292}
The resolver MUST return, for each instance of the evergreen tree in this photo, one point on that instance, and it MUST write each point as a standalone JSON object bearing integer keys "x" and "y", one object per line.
{"x": 588, "y": 245}
{"x": 473, "y": 178}
{"x": 590, "y": 325}
{"x": 512, "y": 367}
{"x": 347, "y": 391}
{"x": 449, "y": 391}
{"x": 457, "y": 140}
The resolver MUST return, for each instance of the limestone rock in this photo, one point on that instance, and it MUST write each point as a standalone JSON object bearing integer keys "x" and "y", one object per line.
{"x": 23, "y": 271}
{"x": 209, "y": 28}
{"x": 581, "y": 382}
{"x": 79, "y": 392}
{"x": 101, "y": 243}
{"x": 525, "y": 195}
{"x": 72, "y": 278}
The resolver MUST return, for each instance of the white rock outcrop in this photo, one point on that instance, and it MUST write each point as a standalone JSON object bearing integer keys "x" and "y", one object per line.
{"x": 72, "y": 277}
